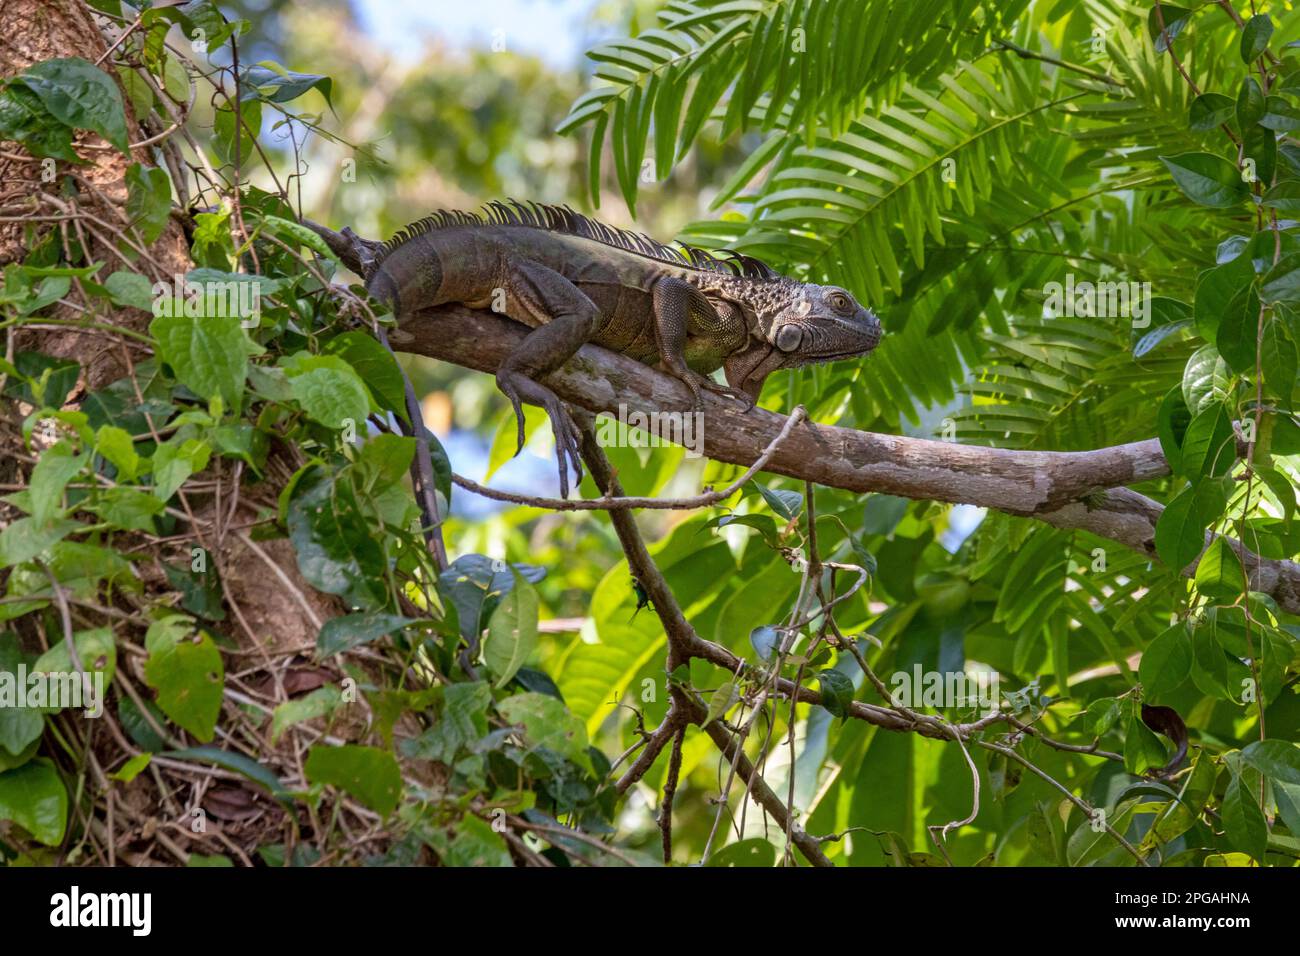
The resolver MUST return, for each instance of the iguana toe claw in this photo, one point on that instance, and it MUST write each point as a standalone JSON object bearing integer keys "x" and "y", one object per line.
{"x": 519, "y": 416}
{"x": 567, "y": 444}
{"x": 728, "y": 392}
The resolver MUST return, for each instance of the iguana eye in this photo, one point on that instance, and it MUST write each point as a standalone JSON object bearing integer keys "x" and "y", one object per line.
{"x": 839, "y": 301}
{"x": 788, "y": 338}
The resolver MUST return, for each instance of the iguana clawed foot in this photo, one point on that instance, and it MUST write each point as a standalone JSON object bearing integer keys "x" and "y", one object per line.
{"x": 568, "y": 437}
{"x": 699, "y": 384}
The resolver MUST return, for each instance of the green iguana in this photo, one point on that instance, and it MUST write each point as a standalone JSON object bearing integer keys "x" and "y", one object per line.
{"x": 576, "y": 281}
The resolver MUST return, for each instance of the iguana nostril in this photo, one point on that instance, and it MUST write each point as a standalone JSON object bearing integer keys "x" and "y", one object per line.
{"x": 874, "y": 329}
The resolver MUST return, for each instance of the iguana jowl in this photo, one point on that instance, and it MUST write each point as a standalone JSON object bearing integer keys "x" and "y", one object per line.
{"x": 574, "y": 280}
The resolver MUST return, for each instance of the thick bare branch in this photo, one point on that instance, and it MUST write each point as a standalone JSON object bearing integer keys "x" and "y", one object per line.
{"x": 1067, "y": 489}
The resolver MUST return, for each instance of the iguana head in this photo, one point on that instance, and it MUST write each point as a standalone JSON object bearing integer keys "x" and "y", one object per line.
{"x": 820, "y": 323}
{"x": 797, "y": 323}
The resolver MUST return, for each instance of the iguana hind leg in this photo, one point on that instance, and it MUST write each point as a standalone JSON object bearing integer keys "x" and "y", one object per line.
{"x": 570, "y": 318}
{"x": 679, "y": 307}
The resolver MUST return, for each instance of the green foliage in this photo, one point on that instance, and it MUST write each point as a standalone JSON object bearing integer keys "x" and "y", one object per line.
{"x": 947, "y": 161}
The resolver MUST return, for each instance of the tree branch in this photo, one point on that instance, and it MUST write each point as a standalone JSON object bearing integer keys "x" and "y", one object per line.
{"x": 1050, "y": 486}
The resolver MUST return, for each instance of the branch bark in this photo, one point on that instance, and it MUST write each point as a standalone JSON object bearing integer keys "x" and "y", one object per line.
{"x": 1082, "y": 490}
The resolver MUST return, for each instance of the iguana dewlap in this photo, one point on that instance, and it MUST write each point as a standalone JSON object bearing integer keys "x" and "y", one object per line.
{"x": 576, "y": 281}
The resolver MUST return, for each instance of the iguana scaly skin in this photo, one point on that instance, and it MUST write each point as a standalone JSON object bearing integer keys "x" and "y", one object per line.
{"x": 574, "y": 280}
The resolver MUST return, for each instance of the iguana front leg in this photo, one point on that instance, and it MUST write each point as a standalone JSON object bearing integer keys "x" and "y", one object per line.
{"x": 679, "y": 307}
{"x": 569, "y": 319}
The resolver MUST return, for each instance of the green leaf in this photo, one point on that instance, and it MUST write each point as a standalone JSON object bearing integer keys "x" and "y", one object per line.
{"x": 209, "y": 355}
{"x": 130, "y": 288}
{"x": 224, "y": 128}
{"x": 34, "y": 797}
{"x": 1171, "y": 425}
{"x": 201, "y": 592}
{"x": 1210, "y": 110}
{"x": 96, "y": 650}
{"x": 132, "y": 768}
{"x": 44, "y": 380}
{"x": 1207, "y": 179}
{"x": 81, "y": 95}
{"x": 512, "y": 631}
{"x": 1166, "y": 663}
{"x": 1260, "y": 146}
{"x": 1209, "y": 447}
{"x": 1279, "y": 360}
{"x": 1205, "y": 379}
{"x": 837, "y": 692}
{"x": 204, "y": 15}
{"x": 246, "y": 442}
{"x": 1219, "y": 575}
{"x": 319, "y": 703}
{"x": 1279, "y": 115}
{"x": 1164, "y": 23}
{"x": 1142, "y": 748}
{"x": 462, "y": 723}
{"x": 295, "y": 233}
{"x": 721, "y": 701}
{"x": 278, "y": 85}
{"x": 340, "y": 634}
{"x": 116, "y": 446}
{"x": 1281, "y": 487}
{"x": 330, "y": 391}
{"x": 54, "y": 469}
{"x": 1243, "y": 820}
{"x": 25, "y": 538}
{"x": 185, "y": 668}
{"x": 24, "y": 119}
{"x": 1282, "y": 282}
{"x": 754, "y": 852}
{"x": 336, "y": 551}
{"x": 475, "y": 844}
{"x": 1238, "y": 330}
{"x": 1103, "y": 714}
{"x": 236, "y": 762}
{"x": 376, "y": 366}
{"x": 148, "y": 200}
{"x": 548, "y": 723}
{"x": 1215, "y": 291}
{"x": 367, "y": 773}
{"x": 1209, "y": 664}
{"x": 473, "y": 584}
{"x": 1279, "y": 760}
{"x": 1180, "y": 529}
{"x": 765, "y": 640}
{"x": 384, "y": 460}
{"x": 1255, "y": 36}
{"x": 1250, "y": 104}
{"x": 138, "y": 91}
{"x": 174, "y": 461}
{"x": 20, "y": 727}
{"x": 788, "y": 504}
{"x": 1284, "y": 197}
